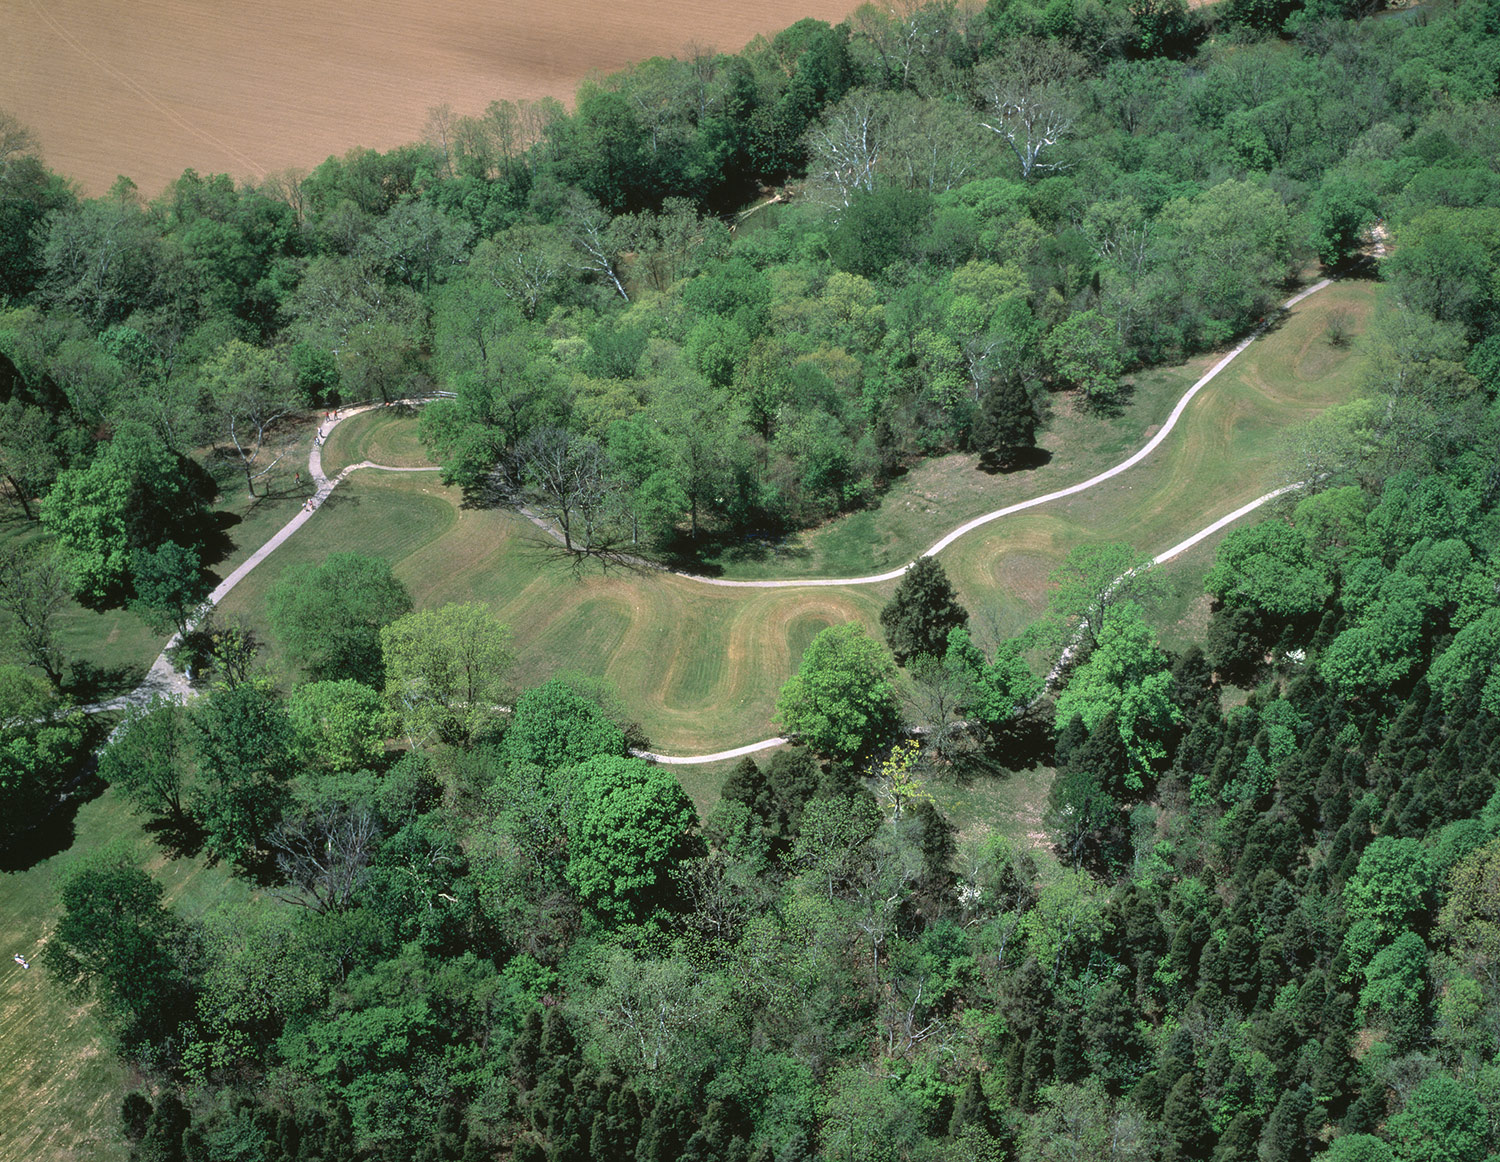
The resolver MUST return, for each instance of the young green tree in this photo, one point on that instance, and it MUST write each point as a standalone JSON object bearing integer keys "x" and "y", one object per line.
{"x": 446, "y": 671}
{"x": 150, "y": 758}
{"x": 632, "y": 826}
{"x": 922, "y": 612}
{"x": 329, "y": 615}
{"x": 339, "y": 726}
{"x": 1084, "y": 353}
{"x": 843, "y": 698}
{"x": 1091, "y": 585}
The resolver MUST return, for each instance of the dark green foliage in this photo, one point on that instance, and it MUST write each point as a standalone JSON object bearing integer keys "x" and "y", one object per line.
{"x": 877, "y": 230}
{"x": 922, "y": 612}
{"x": 329, "y": 616}
{"x": 118, "y": 941}
{"x": 245, "y": 752}
{"x": 554, "y": 726}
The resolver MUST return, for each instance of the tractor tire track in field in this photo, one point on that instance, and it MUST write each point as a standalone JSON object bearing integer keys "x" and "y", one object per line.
{"x": 163, "y": 680}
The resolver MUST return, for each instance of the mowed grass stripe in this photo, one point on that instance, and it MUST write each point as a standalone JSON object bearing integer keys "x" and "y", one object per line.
{"x": 700, "y": 666}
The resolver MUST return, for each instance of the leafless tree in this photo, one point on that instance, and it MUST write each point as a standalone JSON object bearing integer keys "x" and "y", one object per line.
{"x": 844, "y": 146}
{"x": 566, "y": 479}
{"x": 1025, "y": 99}
{"x": 595, "y": 247}
{"x": 324, "y": 855}
{"x": 523, "y": 263}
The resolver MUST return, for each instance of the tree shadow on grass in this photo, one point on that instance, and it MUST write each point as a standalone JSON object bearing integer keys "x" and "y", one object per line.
{"x": 87, "y": 682}
{"x": 180, "y": 839}
{"x": 1017, "y": 460}
{"x": 56, "y": 832}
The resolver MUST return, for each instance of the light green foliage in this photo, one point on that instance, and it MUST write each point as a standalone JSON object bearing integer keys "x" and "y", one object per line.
{"x": 1396, "y": 987}
{"x": 1471, "y": 913}
{"x": 1358, "y": 1148}
{"x": 652, "y": 1014}
{"x": 341, "y": 726}
{"x": 843, "y": 697}
{"x": 1267, "y": 566}
{"x": 33, "y": 594}
{"x": 554, "y": 726}
{"x": 1229, "y": 245}
{"x": 1340, "y": 212}
{"x": 998, "y": 690}
{"x": 1381, "y": 648}
{"x": 1126, "y": 674}
{"x": 833, "y": 833}
{"x": 1067, "y": 923}
{"x": 1475, "y": 650}
{"x": 1093, "y": 583}
{"x": 1085, "y": 354}
{"x": 1332, "y": 522}
{"x": 446, "y": 671}
{"x": 1443, "y": 1122}
{"x": 868, "y": 1118}
{"x": 250, "y": 387}
{"x": 631, "y": 826}
{"x": 329, "y": 615}
{"x": 1391, "y": 884}
{"x": 132, "y": 496}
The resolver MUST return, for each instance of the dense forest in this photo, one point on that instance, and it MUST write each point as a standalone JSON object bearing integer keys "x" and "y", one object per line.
{"x": 730, "y": 297}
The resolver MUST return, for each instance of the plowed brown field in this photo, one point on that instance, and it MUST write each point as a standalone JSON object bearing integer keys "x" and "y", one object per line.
{"x": 247, "y": 87}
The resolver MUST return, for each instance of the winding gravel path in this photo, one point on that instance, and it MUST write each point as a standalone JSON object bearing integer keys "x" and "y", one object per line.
{"x": 162, "y": 680}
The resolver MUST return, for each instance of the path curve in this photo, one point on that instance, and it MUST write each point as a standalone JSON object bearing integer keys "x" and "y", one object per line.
{"x": 1160, "y": 558}
{"x": 1073, "y": 489}
{"x": 162, "y": 680}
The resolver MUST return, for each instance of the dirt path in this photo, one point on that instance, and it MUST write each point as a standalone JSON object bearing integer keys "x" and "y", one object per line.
{"x": 162, "y": 680}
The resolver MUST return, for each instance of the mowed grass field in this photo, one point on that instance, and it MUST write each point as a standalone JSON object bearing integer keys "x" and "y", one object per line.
{"x": 60, "y": 1084}
{"x": 700, "y": 665}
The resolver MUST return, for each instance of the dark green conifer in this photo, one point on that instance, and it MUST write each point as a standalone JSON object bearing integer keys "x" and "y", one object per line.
{"x": 921, "y": 612}
{"x": 1240, "y": 1141}
{"x": 1186, "y": 1121}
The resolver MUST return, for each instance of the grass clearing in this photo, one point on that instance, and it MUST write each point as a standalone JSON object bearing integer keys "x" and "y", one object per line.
{"x": 60, "y": 1083}
{"x": 382, "y": 436}
{"x": 700, "y": 666}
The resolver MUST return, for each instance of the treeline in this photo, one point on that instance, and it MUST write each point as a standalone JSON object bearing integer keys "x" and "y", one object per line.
{"x": 985, "y": 207}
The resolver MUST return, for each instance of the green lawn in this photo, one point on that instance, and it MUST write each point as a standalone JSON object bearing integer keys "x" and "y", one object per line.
{"x": 700, "y": 666}
{"x": 382, "y": 436}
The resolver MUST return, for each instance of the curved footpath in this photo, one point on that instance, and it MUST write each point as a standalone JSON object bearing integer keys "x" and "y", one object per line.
{"x": 162, "y": 680}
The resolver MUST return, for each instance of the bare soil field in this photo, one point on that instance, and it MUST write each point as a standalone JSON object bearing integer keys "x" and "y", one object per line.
{"x": 154, "y": 87}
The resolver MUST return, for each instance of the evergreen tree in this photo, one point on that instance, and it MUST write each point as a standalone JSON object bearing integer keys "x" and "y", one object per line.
{"x": 1186, "y": 1121}
{"x": 921, "y": 612}
{"x": 1006, "y": 425}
